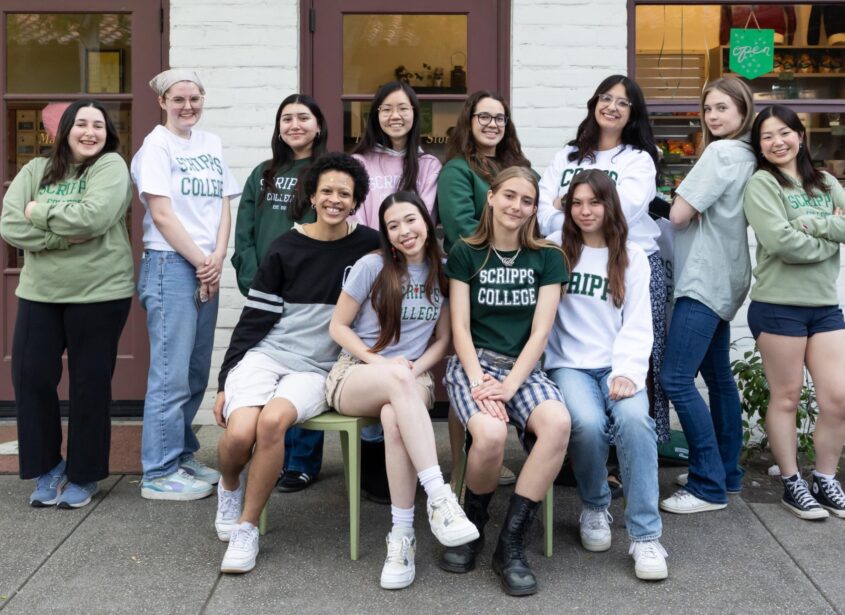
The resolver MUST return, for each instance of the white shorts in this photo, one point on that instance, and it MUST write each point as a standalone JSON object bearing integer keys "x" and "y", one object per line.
{"x": 257, "y": 379}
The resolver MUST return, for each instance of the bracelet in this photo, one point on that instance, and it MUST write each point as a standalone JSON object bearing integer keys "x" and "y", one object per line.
{"x": 474, "y": 384}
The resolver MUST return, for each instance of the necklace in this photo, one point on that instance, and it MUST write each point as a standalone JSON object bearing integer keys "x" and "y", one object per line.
{"x": 510, "y": 260}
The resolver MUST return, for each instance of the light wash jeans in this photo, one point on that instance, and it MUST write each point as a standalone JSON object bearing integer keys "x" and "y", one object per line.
{"x": 595, "y": 418}
{"x": 181, "y": 338}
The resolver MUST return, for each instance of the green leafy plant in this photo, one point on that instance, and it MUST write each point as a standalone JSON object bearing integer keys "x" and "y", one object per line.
{"x": 754, "y": 401}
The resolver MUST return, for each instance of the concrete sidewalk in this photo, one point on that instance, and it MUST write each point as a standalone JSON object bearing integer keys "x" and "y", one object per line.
{"x": 123, "y": 554}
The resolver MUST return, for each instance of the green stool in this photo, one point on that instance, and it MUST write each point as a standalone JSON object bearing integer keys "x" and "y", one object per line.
{"x": 350, "y": 444}
{"x": 548, "y": 505}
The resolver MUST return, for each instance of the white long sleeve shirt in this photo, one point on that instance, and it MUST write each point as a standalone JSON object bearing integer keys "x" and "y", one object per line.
{"x": 630, "y": 169}
{"x": 590, "y": 332}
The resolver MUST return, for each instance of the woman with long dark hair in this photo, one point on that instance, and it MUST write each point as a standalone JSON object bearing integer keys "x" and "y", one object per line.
{"x": 796, "y": 213}
{"x": 391, "y": 305}
{"x": 269, "y": 207}
{"x": 390, "y": 152}
{"x": 598, "y": 356}
{"x": 616, "y": 138}
{"x": 67, "y": 213}
{"x": 504, "y": 288}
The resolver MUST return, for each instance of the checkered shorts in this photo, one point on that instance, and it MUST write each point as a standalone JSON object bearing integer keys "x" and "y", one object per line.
{"x": 536, "y": 389}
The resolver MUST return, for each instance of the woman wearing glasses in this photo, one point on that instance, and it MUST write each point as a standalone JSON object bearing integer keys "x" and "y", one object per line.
{"x": 483, "y": 142}
{"x": 185, "y": 186}
{"x": 390, "y": 152}
{"x": 616, "y": 138}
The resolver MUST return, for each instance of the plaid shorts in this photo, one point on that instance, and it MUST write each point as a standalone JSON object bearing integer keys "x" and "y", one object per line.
{"x": 536, "y": 389}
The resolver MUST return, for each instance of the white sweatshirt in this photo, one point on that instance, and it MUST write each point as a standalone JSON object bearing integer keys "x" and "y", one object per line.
{"x": 590, "y": 332}
{"x": 630, "y": 169}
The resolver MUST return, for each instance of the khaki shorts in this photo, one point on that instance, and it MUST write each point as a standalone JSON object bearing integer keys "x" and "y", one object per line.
{"x": 345, "y": 362}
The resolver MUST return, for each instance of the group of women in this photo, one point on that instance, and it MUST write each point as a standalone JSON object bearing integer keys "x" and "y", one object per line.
{"x": 349, "y": 305}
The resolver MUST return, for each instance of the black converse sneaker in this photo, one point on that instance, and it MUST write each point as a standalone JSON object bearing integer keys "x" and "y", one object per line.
{"x": 828, "y": 493}
{"x": 798, "y": 501}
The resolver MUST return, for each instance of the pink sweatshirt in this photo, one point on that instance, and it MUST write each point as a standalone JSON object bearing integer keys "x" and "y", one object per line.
{"x": 384, "y": 166}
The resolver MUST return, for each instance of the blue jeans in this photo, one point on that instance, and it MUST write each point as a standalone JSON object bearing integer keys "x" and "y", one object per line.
{"x": 595, "y": 418}
{"x": 181, "y": 339}
{"x": 700, "y": 341}
{"x": 304, "y": 451}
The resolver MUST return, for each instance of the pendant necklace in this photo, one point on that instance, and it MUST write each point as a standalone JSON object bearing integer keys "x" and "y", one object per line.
{"x": 510, "y": 260}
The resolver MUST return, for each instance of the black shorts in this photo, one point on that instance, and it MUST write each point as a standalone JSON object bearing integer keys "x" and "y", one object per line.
{"x": 793, "y": 320}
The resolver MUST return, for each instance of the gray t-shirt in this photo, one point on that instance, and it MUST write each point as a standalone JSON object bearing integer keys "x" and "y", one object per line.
{"x": 419, "y": 315}
{"x": 712, "y": 262}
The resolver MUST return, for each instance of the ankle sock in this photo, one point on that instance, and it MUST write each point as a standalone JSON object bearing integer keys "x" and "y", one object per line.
{"x": 402, "y": 517}
{"x": 431, "y": 479}
{"x": 790, "y": 479}
{"x": 824, "y": 476}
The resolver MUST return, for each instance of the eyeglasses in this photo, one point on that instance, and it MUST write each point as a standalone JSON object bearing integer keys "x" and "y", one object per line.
{"x": 621, "y": 103}
{"x": 180, "y": 101}
{"x": 485, "y": 118}
{"x": 403, "y": 110}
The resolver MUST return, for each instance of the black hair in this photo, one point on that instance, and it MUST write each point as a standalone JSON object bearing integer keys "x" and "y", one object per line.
{"x": 637, "y": 132}
{"x": 61, "y": 159}
{"x": 343, "y": 163}
{"x": 374, "y": 135}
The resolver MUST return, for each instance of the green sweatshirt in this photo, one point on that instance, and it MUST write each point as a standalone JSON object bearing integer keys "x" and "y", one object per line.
{"x": 797, "y": 241}
{"x": 92, "y": 206}
{"x": 259, "y": 223}
{"x": 461, "y": 195}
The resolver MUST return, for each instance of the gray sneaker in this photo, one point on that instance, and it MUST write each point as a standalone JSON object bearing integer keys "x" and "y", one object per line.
{"x": 178, "y": 486}
{"x": 595, "y": 529}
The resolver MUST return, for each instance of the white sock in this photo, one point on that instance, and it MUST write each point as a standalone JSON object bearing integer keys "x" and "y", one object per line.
{"x": 402, "y": 517}
{"x": 824, "y": 476}
{"x": 431, "y": 479}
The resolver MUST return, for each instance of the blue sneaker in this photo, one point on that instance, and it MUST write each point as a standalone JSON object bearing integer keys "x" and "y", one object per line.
{"x": 77, "y": 496}
{"x": 176, "y": 486}
{"x": 200, "y": 471}
{"x": 48, "y": 487}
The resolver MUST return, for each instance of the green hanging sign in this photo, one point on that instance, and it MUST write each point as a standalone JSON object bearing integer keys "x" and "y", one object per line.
{"x": 752, "y": 52}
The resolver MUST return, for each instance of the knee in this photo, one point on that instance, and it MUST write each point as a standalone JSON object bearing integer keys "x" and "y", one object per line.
{"x": 672, "y": 383}
{"x": 488, "y": 442}
{"x": 555, "y": 429}
{"x": 785, "y": 401}
{"x": 399, "y": 378}
{"x": 631, "y": 417}
{"x": 272, "y": 426}
{"x": 586, "y": 424}
{"x": 833, "y": 404}
{"x": 239, "y": 440}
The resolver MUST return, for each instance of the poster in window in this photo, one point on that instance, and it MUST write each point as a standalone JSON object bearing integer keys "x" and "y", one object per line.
{"x": 105, "y": 71}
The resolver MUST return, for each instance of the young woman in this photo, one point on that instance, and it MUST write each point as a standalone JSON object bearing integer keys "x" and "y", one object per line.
{"x": 67, "y": 213}
{"x": 483, "y": 142}
{"x": 390, "y": 306}
{"x": 505, "y": 285}
{"x": 796, "y": 213}
{"x": 598, "y": 356}
{"x": 616, "y": 138}
{"x": 185, "y": 186}
{"x": 712, "y": 276}
{"x": 269, "y": 207}
{"x": 274, "y": 372}
{"x": 390, "y": 152}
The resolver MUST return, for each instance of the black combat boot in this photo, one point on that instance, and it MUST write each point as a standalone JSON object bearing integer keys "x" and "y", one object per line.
{"x": 462, "y": 558}
{"x": 509, "y": 560}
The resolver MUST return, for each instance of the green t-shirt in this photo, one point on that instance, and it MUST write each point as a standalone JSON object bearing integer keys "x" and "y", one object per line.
{"x": 502, "y": 299}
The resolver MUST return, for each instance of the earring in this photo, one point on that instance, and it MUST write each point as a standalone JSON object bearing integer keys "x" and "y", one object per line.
{"x": 317, "y": 136}
{"x": 393, "y": 252}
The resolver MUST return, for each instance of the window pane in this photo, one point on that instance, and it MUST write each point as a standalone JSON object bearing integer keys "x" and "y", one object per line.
{"x": 429, "y": 51}
{"x": 68, "y": 52}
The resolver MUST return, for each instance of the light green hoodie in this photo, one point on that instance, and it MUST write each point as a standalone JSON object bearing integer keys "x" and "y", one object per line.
{"x": 92, "y": 206}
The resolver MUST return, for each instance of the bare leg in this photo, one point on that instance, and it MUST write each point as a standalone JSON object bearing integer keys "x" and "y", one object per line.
{"x": 235, "y": 445}
{"x": 783, "y": 362}
{"x": 457, "y": 436}
{"x": 401, "y": 476}
{"x": 486, "y": 453}
{"x": 549, "y": 422}
{"x": 273, "y": 421}
{"x": 825, "y": 358}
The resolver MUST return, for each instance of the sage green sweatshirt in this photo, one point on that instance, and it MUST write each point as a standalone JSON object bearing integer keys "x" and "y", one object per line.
{"x": 797, "y": 241}
{"x": 93, "y": 207}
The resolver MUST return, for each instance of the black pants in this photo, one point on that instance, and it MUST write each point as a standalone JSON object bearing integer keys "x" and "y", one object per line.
{"x": 90, "y": 333}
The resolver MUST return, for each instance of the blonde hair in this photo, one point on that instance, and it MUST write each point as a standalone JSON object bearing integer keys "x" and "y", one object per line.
{"x": 740, "y": 93}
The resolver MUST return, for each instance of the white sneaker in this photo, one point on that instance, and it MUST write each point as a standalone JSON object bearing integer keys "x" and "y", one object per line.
{"x": 685, "y": 503}
{"x": 449, "y": 523}
{"x": 229, "y": 508}
{"x": 399, "y": 570}
{"x": 595, "y": 529}
{"x": 649, "y": 560}
{"x": 178, "y": 486}
{"x": 242, "y": 551}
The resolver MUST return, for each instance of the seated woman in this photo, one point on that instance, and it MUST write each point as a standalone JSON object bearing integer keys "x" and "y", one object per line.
{"x": 505, "y": 285}
{"x": 274, "y": 372}
{"x": 598, "y": 356}
{"x": 390, "y": 305}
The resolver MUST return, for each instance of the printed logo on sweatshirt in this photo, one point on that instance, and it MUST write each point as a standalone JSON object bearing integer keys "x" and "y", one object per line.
{"x": 66, "y": 188}
{"x": 569, "y": 174}
{"x": 282, "y": 193}
{"x": 497, "y": 287}
{"x": 385, "y": 182}
{"x": 821, "y": 202}
{"x": 200, "y": 186}
{"x": 588, "y": 285}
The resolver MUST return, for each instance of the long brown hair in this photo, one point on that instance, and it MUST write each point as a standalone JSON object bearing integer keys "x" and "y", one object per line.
{"x": 614, "y": 226}
{"x": 462, "y": 144}
{"x": 387, "y": 291}
{"x": 529, "y": 233}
